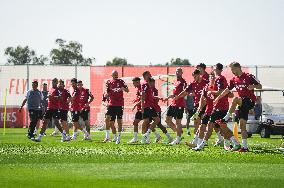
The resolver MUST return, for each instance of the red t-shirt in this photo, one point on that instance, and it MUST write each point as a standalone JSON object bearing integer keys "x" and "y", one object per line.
{"x": 85, "y": 94}
{"x": 138, "y": 98}
{"x": 149, "y": 99}
{"x": 241, "y": 84}
{"x": 197, "y": 88}
{"x": 221, "y": 84}
{"x": 75, "y": 103}
{"x": 156, "y": 101}
{"x": 53, "y": 103}
{"x": 63, "y": 104}
{"x": 114, "y": 92}
{"x": 180, "y": 85}
{"x": 209, "y": 101}
{"x": 205, "y": 77}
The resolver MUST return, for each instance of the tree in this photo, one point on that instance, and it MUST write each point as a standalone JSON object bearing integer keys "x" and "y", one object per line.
{"x": 179, "y": 62}
{"x": 23, "y": 55}
{"x": 69, "y": 53}
{"x": 117, "y": 62}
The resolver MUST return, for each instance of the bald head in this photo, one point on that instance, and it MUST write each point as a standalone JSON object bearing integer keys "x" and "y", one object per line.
{"x": 114, "y": 74}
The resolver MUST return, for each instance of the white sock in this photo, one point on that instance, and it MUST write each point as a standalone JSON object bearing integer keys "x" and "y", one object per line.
{"x": 148, "y": 132}
{"x": 178, "y": 138}
{"x": 220, "y": 138}
{"x": 199, "y": 140}
{"x": 56, "y": 129}
{"x": 168, "y": 135}
{"x": 107, "y": 134}
{"x": 64, "y": 131}
{"x": 245, "y": 144}
{"x": 157, "y": 134}
{"x": 227, "y": 116}
{"x": 119, "y": 133}
{"x": 135, "y": 135}
{"x": 114, "y": 136}
{"x": 234, "y": 140}
{"x": 195, "y": 140}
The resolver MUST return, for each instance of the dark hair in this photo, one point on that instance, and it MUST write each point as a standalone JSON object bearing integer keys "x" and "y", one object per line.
{"x": 151, "y": 80}
{"x": 61, "y": 81}
{"x": 74, "y": 80}
{"x": 219, "y": 66}
{"x": 145, "y": 73}
{"x": 54, "y": 79}
{"x": 195, "y": 72}
{"x": 202, "y": 65}
{"x": 136, "y": 79}
{"x": 35, "y": 82}
{"x": 235, "y": 64}
{"x": 79, "y": 81}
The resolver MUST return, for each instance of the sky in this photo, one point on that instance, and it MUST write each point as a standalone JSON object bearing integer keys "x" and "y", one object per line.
{"x": 150, "y": 31}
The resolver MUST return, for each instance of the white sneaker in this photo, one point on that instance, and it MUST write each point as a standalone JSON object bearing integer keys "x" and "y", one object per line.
{"x": 170, "y": 139}
{"x": 38, "y": 139}
{"x": 175, "y": 142}
{"x": 106, "y": 140}
{"x": 114, "y": 139}
{"x": 74, "y": 137}
{"x": 281, "y": 149}
{"x": 199, "y": 147}
{"x": 133, "y": 141}
{"x": 54, "y": 133}
{"x": 144, "y": 139}
{"x": 68, "y": 138}
{"x": 117, "y": 141}
{"x": 63, "y": 138}
{"x": 157, "y": 139}
{"x": 218, "y": 143}
{"x": 87, "y": 137}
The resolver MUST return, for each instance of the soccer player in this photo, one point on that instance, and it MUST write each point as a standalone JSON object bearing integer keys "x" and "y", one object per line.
{"x": 202, "y": 68}
{"x": 34, "y": 99}
{"x": 76, "y": 110}
{"x": 52, "y": 111}
{"x": 86, "y": 97}
{"x": 195, "y": 89}
{"x": 159, "y": 112}
{"x": 43, "y": 105}
{"x": 176, "y": 108}
{"x": 148, "y": 107}
{"x": 245, "y": 84}
{"x": 138, "y": 115}
{"x": 115, "y": 88}
{"x": 64, "y": 108}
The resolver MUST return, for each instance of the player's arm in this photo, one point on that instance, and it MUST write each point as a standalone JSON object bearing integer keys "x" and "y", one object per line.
{"x": 124, "y": 87}
{"x": 135, "y": 105}
{"x": 91, "y": 98}
{"x": 142, "y": 100}
{"x": 223, "y": 94}
{"x": 202, "y": 104}
{"x": 23, "y": 104}
{"x": 255, "y": 84}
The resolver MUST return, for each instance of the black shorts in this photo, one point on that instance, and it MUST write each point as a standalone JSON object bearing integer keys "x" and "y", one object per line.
{"x": 175, "y": 112}
{"x": 63, "y": 115}
{"x": 52, "y": 113}
{"x": 85, "y": 114}
{"x": 243, "y": 110}
{"x": 115, "y": 112}
{"x": 189, "y": 113}
{"x": 75, "y": 116}
{"x": 217, "y": 115}
{"x": 35, "y": 115}
{"x": 159, "y": 115}
{"x": 139, "y": 115}
{"x": 149, "y": 113}
{"x": 205, "y": 119}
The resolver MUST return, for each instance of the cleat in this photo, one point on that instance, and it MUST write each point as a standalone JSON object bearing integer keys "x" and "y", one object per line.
{"x": 281, "y": 149}
{"x": 133, "y": 141}
{"x": 170, "y": 139}
{"x": 218, "y": 143}
{"x": 228, "y": 148}
{"x": 175, "y": 142}
{"x": 73, "y": 137}
{"x": 114, "y": 139}
{"x": 106, "y": 140}
{"x": 68, "y": 138}
{"x": 236, "y": 148}
{"x": 197, "y": 148}
{"x": 117, "y": 141}
{"x": 190, "y": 145}
{"x": 144, "y": 139}
{"x": 243, "y": 150}
{"x": 159, "y": 138}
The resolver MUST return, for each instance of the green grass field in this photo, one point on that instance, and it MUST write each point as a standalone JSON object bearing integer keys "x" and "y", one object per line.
{"x": 94, "y": 164}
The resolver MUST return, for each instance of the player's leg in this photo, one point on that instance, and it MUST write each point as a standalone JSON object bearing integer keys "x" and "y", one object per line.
{"x": 145, "y": 124}
{"x": 63, "y": 118}
{"x": 119, "y": 114}
{"x": 237, "y": 101}
{"x": 76, "y": 126}
{"x": 164, "y": 130}
{"x": 46, "y": 119}
{"x": 152, "y": 114}
{"x": 135, "y": 127}
{"x": 178, "y": 114}
{"x": 33, "y": 123}
{"x": 107, "y": 123}
{"x": 169, "y": 118}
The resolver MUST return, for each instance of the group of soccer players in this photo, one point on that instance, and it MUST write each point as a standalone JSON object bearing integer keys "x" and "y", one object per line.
{"x": 59, "y": 102}
{"x": 211, "y": 94}
{"x": 211, "y": 106}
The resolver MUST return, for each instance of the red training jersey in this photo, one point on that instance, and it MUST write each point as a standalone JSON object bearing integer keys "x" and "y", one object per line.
{"x": 180, "y": 85}
{"x": 63, "y": 104}
{"x": 114, "y": 92}
{"x": 209, "y": 101}
{"x": 75, "y": 103}
{"x": 196, "y": 88}
{"x": 241, "y": 84}
{"x": 205, "y": 77}
{"x": 149, "y": 99}
{"x": 138, "y": 98}
{"x": 85, "y": 94}
{"x": 53, "y": 102}
{"x": 156, "y": 101}
{"x": 221, "y": 84}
